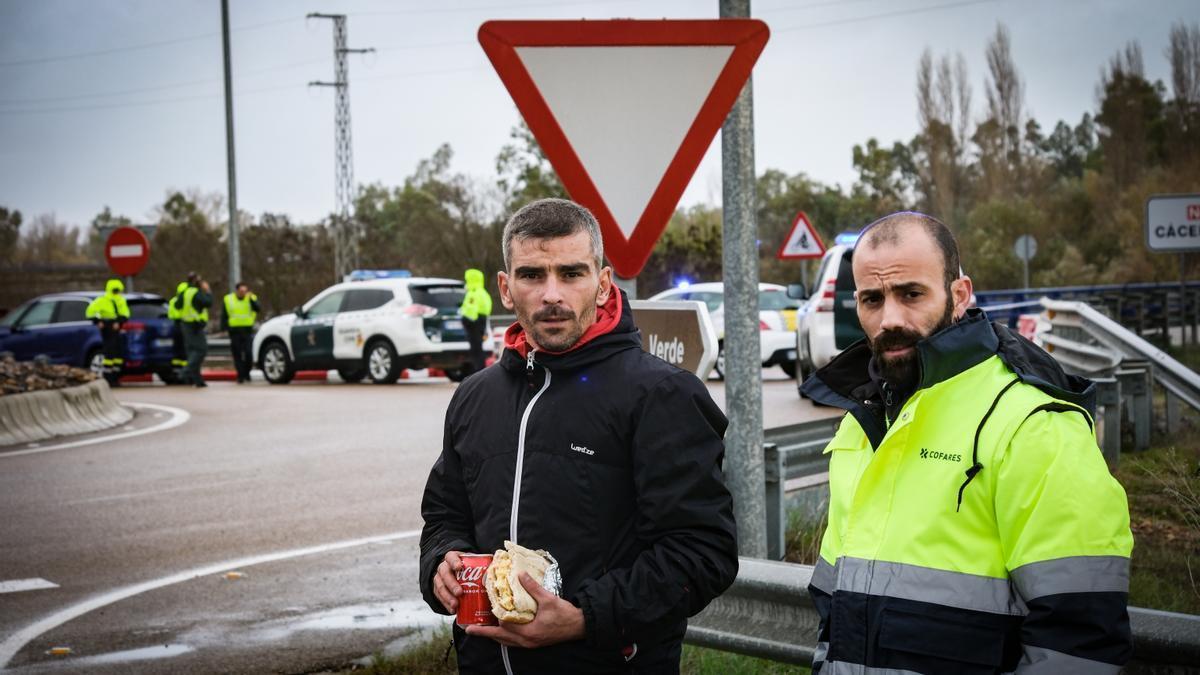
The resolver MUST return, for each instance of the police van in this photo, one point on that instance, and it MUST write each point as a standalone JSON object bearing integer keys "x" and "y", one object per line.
{"x": 371, "y": 328}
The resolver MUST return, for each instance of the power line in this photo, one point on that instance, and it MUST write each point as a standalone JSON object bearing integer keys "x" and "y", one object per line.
{"x": 137, "y": 47}
{"x": 883, "y": 15}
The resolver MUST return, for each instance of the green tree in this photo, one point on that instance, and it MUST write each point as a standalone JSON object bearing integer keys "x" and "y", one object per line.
{"x": 525, "y": 175}
{"x": 10, "y": 234}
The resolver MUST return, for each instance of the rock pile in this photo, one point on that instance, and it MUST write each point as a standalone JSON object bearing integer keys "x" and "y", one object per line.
{"x": 21, "y": 376}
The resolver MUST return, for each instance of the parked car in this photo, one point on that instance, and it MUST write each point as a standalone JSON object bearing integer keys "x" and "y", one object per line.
{"x": 371, "y": 328}
{"x": 827, "y": 322}
{"x": 776, "y": 317}
{"x": 55, "y": 325}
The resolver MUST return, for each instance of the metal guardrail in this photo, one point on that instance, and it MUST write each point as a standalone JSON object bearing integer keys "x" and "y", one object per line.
{"x": 1180, "y": 383}
{"x": 768, "y": 613}
{"x": 789, "y": 453}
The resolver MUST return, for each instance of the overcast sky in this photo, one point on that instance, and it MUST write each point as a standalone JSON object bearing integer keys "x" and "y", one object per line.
{"x": 115, "y": 102}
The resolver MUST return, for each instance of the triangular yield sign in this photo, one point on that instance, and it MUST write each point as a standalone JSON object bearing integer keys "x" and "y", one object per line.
{"x": 625, "y": 110}
{"x": 802, "y": 242}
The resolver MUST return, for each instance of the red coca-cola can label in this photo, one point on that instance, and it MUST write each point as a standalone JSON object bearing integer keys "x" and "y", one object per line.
{"x": 474, "y": 607}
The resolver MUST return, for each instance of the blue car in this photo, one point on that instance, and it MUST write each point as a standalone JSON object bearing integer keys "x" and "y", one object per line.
{"x": 55, "y": 326}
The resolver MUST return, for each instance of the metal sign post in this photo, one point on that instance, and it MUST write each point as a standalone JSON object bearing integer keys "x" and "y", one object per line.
{"x": 1025, "y": 248}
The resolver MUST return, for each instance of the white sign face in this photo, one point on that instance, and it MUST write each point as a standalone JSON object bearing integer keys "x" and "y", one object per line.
{"x": 1026, "y": 247}
{"x": 125, "y": 251}
{"x": 625, "y": 111}
{"x": 1173, "y": 223}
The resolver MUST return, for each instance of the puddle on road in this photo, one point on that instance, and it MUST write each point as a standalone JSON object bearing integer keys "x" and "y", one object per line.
{"x": 143, "y": 654}
{"x": 413, "y": 614}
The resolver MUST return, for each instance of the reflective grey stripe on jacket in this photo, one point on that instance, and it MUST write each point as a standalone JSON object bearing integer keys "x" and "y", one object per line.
{"x": 843, "y": 668}
{"x": 1042, "y": 661}
{"x": 824, "y": 576}
{"x": 925, "y": 584}
{"x": 1078, "y": 574}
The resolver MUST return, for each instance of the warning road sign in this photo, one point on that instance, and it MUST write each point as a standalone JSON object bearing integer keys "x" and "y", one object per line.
{"x": 802, "y": 242}
{"x": 625, "y": 110}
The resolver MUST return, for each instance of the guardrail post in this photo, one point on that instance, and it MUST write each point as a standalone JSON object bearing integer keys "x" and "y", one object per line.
{"x": 774, "y": 471}
{"x": 1173, "y": 418}
{"x": 1135, "y": 388}
{"x": 1108, "y": 398}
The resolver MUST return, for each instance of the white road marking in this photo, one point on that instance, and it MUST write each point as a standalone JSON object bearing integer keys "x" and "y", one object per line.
{"x": 19, "y": 585}
{"x": 18, "y": 640}
{"x": 178, "y": 416}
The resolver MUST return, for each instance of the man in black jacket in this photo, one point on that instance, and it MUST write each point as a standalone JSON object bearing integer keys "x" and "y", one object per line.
{"x": 580, "y": 443}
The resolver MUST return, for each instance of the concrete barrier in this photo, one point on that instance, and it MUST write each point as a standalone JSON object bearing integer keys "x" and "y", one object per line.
{"x": 39, "y": 415}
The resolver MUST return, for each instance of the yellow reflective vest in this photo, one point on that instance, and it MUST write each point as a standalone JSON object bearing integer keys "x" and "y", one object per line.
{"x": 977, "y": 531}
{"x": 175, "y": 305}
{"x": 477, "y": 302}
{"x": 239, "y": 312}
{"x": 190, "y": 313}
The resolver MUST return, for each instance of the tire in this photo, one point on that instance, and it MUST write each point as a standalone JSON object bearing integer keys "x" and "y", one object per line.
{"x": 719, "y": 366}
{"x": 169, "y": 376}
{"x": 352, "y": 374}
{"x": 276, "y": 363}
{"x": 95, "y": 362}
{"x": 460, "y": 373}
{"x": 383, "y": 365}
{"x": 789, "y": 367}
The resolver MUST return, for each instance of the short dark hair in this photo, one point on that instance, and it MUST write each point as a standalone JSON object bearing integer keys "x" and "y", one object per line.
{"x": 888, "y": 229}
{"x": 548, "y": 219}
{"x": 241, "y": 284}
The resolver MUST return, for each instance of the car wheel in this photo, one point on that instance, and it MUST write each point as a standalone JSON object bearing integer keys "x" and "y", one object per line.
{"x": 383, "y": 365}
{"x": 789, "y": 367}
{"x": 719, "y": 367}
{"x": 352, "y": 374}
{"x": 95, "y": 362}
{"x": 277, "y": 364}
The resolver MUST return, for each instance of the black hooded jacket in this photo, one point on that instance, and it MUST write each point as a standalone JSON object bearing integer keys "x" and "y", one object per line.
{"x": 618, "y": 458}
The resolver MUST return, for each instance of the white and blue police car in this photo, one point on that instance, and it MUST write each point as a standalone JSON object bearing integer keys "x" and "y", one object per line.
{"x": 375, "y": 326}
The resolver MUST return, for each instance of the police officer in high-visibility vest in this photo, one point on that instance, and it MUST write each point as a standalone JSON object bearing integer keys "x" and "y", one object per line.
{"x": 241, "y": 311}
{"x": 109, "y": 312}
{"x": 175, "y": 314}
{"x": 195, "y": 302}
{"x": 476, "y": 308}
{"x": 974, "y": 526}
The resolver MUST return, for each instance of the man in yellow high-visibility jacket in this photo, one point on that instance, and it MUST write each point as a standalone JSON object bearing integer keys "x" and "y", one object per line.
{"x": 973, "y": 523}
{"x": 109, "y": 312}
{"x": 241, "y": 311}
{"x": 476, "y": 308}
{"x": 175, "y": 314}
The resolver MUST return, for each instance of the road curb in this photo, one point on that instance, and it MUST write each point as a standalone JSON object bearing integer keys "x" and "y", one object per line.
{"x": 39, "y": 415}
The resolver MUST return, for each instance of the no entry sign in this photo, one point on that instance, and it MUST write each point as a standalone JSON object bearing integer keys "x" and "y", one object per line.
{"x": 126, "y": 251}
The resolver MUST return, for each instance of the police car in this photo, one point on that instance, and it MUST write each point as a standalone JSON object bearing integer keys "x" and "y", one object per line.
{"x": 372, "y": 328}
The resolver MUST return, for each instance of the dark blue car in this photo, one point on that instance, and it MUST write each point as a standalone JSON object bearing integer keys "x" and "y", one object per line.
{"x": 55, "y": 325}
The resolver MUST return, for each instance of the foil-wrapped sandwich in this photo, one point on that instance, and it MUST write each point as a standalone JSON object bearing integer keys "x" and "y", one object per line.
{"x": 511, "y": 603}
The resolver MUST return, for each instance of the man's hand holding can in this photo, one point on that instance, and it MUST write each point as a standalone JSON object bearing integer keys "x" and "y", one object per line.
{"x": 445, "y": 583}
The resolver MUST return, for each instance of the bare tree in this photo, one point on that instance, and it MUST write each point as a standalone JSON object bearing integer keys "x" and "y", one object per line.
{"x": 943, "y": 110}
{"x": 998, "y": 136}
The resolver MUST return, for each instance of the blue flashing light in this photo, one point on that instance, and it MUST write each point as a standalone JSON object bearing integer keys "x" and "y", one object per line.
{"x": 367, "y": 275}
{"x": 682, "y": 284}
{"x": 846, "y": 239}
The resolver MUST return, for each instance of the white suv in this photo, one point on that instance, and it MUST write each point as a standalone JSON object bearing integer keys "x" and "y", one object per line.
{"x": 374, "y": 328}
{"x": 827, "y": 322}
{"x": 776, "y": 314}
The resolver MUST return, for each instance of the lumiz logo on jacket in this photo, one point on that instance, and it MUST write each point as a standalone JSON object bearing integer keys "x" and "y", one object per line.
{"x": 935, "y": 454}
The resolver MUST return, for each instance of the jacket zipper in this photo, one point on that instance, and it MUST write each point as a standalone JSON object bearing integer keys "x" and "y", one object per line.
{"x": 516, "y": 499}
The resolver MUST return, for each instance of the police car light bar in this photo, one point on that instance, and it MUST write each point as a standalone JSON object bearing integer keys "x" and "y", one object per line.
{"x": 846, "y": 239}
{"x": 367, "y": 275}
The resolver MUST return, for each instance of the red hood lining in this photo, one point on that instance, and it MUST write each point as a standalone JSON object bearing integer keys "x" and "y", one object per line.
{"x": 607, "y": 317}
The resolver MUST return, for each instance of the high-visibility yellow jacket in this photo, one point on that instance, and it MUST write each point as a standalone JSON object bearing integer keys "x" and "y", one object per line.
{"x": 977, "y": 529}
{"x": 175, "y": 306}
{"x": 192, "y": 313}
{"x": 239, "y": 312}
{"x": 111, "y": 306}
{"x": 477, "y": 302}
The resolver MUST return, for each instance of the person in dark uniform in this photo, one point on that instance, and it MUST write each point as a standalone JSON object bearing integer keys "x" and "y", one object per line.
{"x": 241, "y": 311}
{"x": 196, "y": 301}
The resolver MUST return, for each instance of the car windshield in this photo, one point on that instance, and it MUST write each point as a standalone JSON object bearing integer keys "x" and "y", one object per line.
{"x": 775, "y": 300}
{"x": 447, "y": 299}
{"x": 8, "y": 319}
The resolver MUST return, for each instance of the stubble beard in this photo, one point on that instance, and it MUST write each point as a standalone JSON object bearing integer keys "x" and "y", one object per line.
{"x": 564, "y": 338}
{"x": 902, "y": 372}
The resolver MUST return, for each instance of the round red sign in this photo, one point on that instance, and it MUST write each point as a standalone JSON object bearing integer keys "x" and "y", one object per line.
{"x": 126, "y": 251}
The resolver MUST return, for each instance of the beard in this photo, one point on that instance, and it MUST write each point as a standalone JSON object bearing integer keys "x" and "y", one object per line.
{"x": 902, "y": 372}
{"x": 562, "y": 337}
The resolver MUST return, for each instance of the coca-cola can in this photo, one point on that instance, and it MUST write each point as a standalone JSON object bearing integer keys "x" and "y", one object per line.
{"x": 474, "y": 607}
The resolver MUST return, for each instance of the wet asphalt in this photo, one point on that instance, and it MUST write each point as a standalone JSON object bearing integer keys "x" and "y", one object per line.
{"x": 147, "y": 528}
